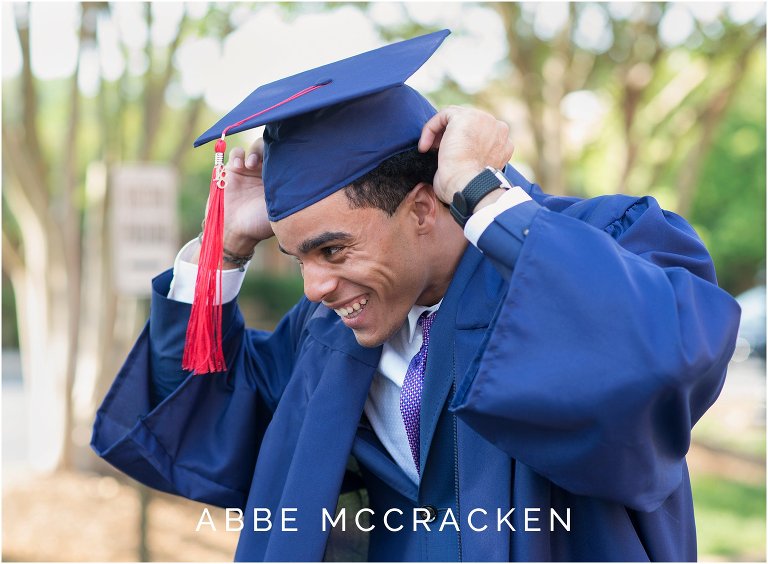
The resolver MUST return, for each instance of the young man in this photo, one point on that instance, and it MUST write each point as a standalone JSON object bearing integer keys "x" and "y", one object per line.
{"x": 515, "y": 374}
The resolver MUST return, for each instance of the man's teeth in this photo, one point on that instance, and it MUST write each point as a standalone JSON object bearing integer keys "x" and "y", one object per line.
{"x": 347, "y": 310}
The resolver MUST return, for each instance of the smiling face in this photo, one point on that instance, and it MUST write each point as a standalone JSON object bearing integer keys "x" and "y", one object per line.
{"x": 371, "y": 268}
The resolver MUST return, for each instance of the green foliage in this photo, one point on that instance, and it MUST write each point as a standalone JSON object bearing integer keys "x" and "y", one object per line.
{"x": 730, "y": 518}
{"x": 730, "y": 204}
{"x": 267, "y": 296}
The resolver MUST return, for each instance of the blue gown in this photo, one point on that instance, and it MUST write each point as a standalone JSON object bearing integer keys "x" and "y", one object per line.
{"x": 574, "y": 359}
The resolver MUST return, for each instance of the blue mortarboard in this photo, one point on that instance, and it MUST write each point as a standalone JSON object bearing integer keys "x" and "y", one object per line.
{"x": 328, "y": 126}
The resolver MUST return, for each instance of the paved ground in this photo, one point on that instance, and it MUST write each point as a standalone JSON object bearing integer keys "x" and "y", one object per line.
{"x": 14, "y": 413}
{"x": 730, "y": 439}
{"x": 76, "y": 517}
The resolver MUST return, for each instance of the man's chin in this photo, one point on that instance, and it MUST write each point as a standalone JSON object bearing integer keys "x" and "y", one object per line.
{"x": 370, "y": 339}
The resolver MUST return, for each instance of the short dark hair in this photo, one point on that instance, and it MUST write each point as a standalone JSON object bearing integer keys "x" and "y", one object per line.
{"x": 386, "y": 186}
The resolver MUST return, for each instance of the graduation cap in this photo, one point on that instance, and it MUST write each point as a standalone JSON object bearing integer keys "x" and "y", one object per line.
{"x": 325, "y": 128}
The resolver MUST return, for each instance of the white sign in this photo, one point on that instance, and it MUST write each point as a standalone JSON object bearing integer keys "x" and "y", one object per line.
{"x": 144, "y": 225}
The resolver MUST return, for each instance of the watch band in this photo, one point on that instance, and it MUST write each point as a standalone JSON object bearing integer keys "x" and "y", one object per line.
{"x": 464, "y": 202}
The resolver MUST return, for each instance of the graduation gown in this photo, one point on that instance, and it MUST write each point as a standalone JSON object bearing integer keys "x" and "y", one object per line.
{"x": 568, "y": 365}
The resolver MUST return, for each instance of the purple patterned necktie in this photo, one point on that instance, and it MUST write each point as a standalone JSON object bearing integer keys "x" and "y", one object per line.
{"x": 410, "y": 395}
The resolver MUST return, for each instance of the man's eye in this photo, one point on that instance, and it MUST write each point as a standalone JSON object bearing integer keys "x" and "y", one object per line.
{"x": 331, "y": 251}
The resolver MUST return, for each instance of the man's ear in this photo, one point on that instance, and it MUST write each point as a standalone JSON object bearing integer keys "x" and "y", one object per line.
{"x": 422, "y": 205}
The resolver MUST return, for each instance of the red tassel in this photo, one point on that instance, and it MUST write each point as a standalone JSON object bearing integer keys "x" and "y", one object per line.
{"x": 203, "y": 348}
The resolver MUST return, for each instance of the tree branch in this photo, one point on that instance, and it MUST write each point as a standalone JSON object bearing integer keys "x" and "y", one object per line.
{"x": 17, "y": 158}
{"x": 633, "y": 94}
{"x": 194, "y": 107}
{"x": 70, "y": 137}
{"x": 149, "y": 87}
{"x": 37, "y": 228}
{"x": 155, "y": 103}
{"x": 188, "y": 133}
{"x": 710, "y": 117}
{"x": 29, "y": 101}
{"x": 13, "y": 262}
{"x": 519, "y": 56}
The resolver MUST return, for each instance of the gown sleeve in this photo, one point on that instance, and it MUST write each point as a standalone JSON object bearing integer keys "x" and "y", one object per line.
{"x": 202, "y": 440}
{"x": 611, "y": 342}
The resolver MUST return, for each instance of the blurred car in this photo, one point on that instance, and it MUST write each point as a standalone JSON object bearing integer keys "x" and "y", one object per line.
{"x": 750, "y": 341}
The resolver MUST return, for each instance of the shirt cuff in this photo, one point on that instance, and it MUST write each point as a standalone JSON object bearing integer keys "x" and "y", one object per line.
{"x": 479, "y": 222}
{"x": 185, "y": 275}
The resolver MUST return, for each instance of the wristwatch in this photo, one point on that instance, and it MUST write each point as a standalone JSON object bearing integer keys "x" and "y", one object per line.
{"x": 464, "y": 202}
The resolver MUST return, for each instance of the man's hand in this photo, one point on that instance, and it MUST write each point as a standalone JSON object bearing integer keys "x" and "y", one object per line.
{"x": 468, "y": 140}
{"x": 245, "y": 209}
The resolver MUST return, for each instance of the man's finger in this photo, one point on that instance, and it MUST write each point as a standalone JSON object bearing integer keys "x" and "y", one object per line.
{"x": 255, "y": 155}
{"x": 431, "y": 145}
{"x": 236, "y": 156}
{"x": 257, "y": 147}
{"x": 432, "y": 132}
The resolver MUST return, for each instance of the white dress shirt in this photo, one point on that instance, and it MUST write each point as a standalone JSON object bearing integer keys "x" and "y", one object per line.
{"x": 382, "y": 406}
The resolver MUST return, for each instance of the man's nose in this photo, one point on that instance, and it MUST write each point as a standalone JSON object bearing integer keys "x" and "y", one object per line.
{"x": 319, "y": 282}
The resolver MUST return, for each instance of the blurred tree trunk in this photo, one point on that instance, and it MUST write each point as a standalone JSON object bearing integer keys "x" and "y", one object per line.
{"x": 44, "y": 270}
{"x": 74, "y": 329}
{"x": 70, "y": 221}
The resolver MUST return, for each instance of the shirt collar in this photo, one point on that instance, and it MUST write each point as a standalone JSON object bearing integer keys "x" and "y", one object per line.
{"x": 415, "y": 313}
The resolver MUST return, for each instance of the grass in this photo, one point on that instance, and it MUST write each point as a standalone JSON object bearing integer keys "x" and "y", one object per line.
{"x": 730, "y": 519}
